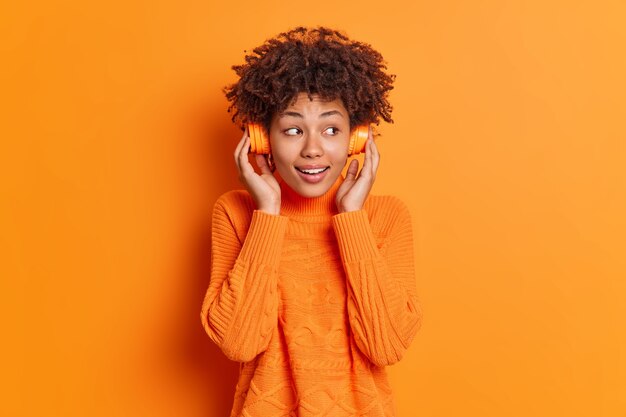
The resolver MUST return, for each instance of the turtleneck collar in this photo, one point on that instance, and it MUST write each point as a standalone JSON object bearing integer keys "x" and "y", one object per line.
{"x": 295, "y": 205}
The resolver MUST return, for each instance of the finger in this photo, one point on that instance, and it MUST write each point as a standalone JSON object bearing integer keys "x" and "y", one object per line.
{"x": 237, "y": 154}
{"x": 240, "y": 144}
{"x": 242, "y": 162}
{"x": 353, "y": 168}
{"x": 367, "y": 162}
{"x": 375, "y": 158}
{"x": 261, "y": 162}
{"x": 374, "y": 151}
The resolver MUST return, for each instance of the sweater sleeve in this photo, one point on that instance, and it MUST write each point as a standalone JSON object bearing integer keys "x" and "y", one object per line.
{"x": 239, "y": 312}
{"x": 383, "y": 308}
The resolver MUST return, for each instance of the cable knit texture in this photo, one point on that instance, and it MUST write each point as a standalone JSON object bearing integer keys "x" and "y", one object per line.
{"x": 314, "y": 304}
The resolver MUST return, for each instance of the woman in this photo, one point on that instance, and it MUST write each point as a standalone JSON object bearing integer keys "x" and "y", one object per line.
{"x": 312, "y": 279}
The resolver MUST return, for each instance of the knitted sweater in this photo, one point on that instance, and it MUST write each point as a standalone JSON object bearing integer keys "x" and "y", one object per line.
{"x": 314, "y": 304}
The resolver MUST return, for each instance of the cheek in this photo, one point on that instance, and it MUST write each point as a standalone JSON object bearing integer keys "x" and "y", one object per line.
{"x": 339, "y": 150}
{"x": 281, "y": 164}
{"x": 282, "y": 155}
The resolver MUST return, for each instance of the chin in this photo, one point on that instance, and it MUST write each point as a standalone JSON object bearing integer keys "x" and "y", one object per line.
{"x": 311, "y": 191}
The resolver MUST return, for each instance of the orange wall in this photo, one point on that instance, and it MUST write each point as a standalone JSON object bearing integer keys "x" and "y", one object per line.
{"x": 509, "y": 146}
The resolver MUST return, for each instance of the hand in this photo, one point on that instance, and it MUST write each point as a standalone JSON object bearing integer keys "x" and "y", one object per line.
{"x": 264, "y": 188}
{"x": 353, "y": 191}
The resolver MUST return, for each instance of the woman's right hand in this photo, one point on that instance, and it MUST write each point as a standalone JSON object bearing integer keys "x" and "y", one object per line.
{"x": 264, "y": 188}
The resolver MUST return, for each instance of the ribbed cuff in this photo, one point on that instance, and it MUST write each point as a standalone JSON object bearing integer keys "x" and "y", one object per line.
{"x": 354, "y": 235}
{"x": 265, "y": 237}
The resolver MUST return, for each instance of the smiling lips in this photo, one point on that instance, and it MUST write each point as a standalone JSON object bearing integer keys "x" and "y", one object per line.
{"x": 312, "y": 173}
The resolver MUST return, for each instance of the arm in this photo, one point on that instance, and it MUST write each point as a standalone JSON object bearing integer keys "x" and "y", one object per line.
{"x": 239, "y": 312}
{"x": 383, "y": 308}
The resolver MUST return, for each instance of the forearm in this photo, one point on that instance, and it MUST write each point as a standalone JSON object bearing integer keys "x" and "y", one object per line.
{"x": 383, "y": 309}
{"x": 239, "y": 312}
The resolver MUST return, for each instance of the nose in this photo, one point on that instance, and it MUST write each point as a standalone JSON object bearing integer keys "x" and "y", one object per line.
{"x": 312, "y": 146}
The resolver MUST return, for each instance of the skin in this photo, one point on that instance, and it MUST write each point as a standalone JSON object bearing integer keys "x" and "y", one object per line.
{"x": 308, "y": 133}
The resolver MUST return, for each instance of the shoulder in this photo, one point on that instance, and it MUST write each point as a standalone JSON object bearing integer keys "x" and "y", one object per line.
{"x": 386, "y": 206}
{"x": 387, "y": 212}
{"x": 235, "y": 200}
{"x": 234, "y": 207}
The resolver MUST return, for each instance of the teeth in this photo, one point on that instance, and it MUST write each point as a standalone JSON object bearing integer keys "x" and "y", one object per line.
{"x": 313, "y": 171}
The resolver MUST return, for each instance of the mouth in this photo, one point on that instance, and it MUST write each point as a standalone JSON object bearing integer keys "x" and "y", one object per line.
{"x": 312, "y": 174}
{"x": 312, "y": 171}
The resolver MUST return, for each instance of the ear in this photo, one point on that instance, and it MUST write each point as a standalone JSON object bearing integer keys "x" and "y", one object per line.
{"x": 270, "y": 162}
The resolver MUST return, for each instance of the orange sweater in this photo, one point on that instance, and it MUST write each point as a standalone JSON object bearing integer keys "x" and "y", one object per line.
{"x": 313, "y": 303}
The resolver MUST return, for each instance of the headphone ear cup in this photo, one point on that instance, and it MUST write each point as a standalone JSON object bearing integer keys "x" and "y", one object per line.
{"x": 357, "y": 139}
{"x": 259, "y": 142}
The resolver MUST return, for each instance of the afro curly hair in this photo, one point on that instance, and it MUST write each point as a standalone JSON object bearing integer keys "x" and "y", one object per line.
{"x": 319, "y": 61}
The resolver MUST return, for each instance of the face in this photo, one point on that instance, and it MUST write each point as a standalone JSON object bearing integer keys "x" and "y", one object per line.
{"x": 309, "y": 142}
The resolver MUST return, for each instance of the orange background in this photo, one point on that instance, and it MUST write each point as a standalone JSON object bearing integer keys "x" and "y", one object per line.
{"x": 509, "y": 147}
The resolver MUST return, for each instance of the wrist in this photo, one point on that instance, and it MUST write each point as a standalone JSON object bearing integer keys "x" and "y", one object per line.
{"x": 269, "y": 205}
{"x": 347, "y": 208}
{"x": 270, "y": 210}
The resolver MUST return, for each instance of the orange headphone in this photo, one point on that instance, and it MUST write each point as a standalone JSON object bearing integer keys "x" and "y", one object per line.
{"x": 259, "y": 142}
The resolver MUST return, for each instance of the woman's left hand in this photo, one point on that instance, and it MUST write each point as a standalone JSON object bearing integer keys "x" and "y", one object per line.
{"x": 353, "y": 191}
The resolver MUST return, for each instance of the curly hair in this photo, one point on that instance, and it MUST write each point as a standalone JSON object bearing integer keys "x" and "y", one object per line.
{"x": 319, "y": 61}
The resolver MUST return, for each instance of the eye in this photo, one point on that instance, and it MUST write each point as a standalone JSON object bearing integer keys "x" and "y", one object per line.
{"x": 332, "y": 131}
{"x": 292, "y": 131}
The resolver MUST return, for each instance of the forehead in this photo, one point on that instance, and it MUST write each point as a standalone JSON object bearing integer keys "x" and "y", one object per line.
{"x": 313, "y": 106}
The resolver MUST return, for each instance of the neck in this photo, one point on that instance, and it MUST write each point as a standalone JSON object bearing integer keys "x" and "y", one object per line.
{"x": 295, "y": 205}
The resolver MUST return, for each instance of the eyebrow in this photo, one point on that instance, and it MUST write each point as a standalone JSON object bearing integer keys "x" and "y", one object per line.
{"x": 325, "y": 114}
